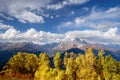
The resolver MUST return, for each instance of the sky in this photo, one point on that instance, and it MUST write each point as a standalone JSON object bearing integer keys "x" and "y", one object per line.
{"x": 49, "y": 21}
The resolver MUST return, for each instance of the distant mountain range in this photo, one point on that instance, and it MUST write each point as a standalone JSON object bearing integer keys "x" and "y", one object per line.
{"x": 76, "y": 45}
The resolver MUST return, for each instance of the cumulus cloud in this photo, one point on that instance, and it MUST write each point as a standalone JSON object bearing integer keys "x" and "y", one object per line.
{"x": 10, "y": 34}
{"x": 96, "y": 36}
{"x": 31, "y": 35}
{"x": 23, "y": 9}
{"x": 41, "y": 37}
{"x": 98, "y": 19}
{"x": 111, "y": 33}
{"x": 4, "y": 26}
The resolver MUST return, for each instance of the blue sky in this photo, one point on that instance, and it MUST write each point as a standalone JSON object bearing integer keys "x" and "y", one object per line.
{"x": 48, "y": 21}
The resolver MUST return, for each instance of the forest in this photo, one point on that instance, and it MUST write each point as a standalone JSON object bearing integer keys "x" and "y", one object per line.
{"x": 71, "y": 66}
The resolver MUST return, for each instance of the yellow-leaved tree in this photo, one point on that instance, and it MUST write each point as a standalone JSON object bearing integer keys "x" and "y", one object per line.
{"x": 78, "y": 67}
{"x": 44, "y": 67}
{"x": 21, "y": 63}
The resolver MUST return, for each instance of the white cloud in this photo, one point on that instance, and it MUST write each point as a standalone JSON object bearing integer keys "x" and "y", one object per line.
{"x": 22, "y": 9}
{"x": 23, "y": 4}
{"x": 96, "y": 36}
{"x": 68, "y": 24}
{"x": 6, "y": 17}
{"x": 31, "y": 10}
{"x": 55, "y": 6}
{"x": 51, "y": 17}
{"x": 26, "y": 16}
{"x": 105, "y": 25}
{"x": 31, "y": 35}
{"x": 41, "y": 37}
{"x": 46, "y": 15}
{"x": 4, "y": 26}
{"x": 10, "y": 34}
{"x": 79, "y": 21}
{"x": 111, "y": 33}
{"x": 77, "y": 1}
{"x": 98, "y": 19}
{"x": 66, "y": 3}
{"x": 108, "y": 14}
{"x": 114, "y": 9}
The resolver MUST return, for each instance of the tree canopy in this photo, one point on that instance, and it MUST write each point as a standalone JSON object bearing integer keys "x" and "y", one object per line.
{"x": 72, "y": 67}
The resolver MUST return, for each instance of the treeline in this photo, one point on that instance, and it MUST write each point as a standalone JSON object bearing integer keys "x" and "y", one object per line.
{"x": 71, "y": 67}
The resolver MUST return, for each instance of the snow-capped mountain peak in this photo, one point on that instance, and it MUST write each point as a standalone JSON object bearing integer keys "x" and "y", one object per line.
{"x": 72, "y": 43}
{"x": 81, "y": 41}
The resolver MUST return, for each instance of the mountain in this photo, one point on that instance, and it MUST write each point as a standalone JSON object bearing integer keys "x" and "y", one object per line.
{"x": 68, "y": 44}
{"x": 7, "y": 50}
{"x": 81, "y": 44}
{"x": 52, "y": 48}
{"x": 113, "y": 46}
{"x": 23, "y": 46}
{"x": 76, "y": 45}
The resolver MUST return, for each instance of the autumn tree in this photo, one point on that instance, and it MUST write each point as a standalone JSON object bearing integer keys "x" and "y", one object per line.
{"x": 46, "y": 72}
{"x": 44, "y": 67}
{"x": 85, "y": 66}
{"x": 78, "y": 67}
{"x": 21, "y": 63}
{"x": 70, "y": 69}
{"x": 110, "y": 68}
{"x": 73, "y": 66}
{"x": 57, "y": 61}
